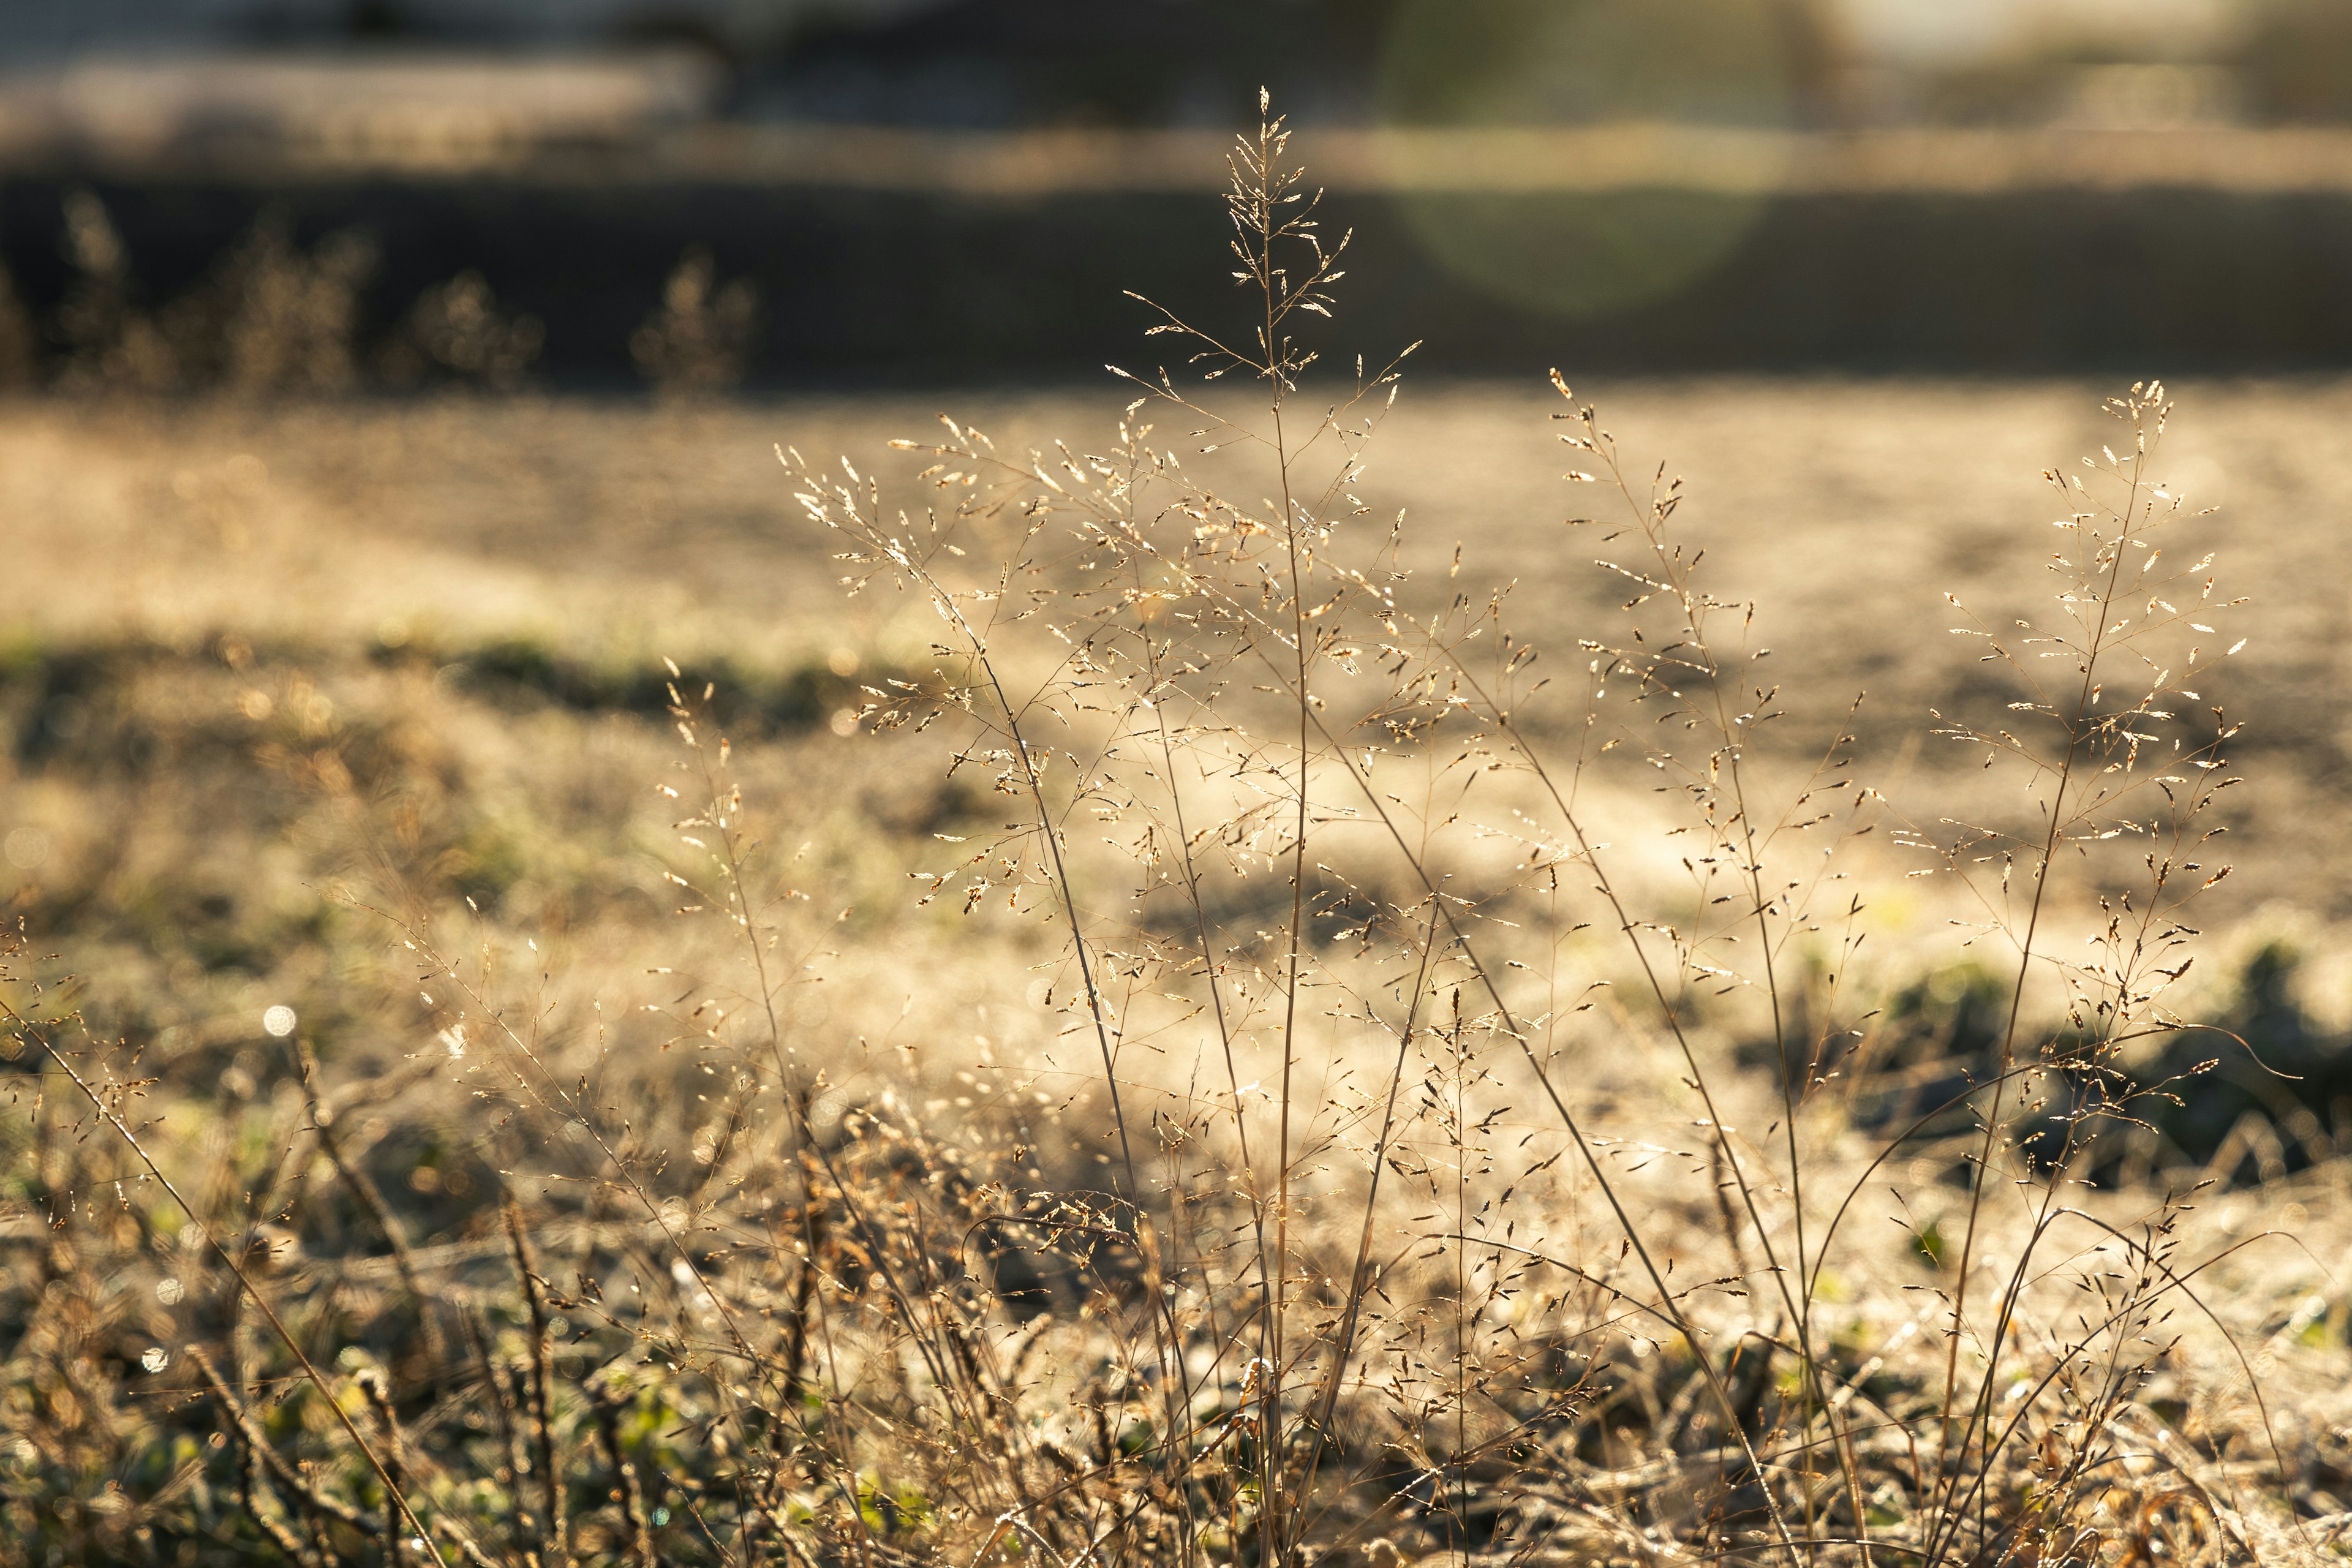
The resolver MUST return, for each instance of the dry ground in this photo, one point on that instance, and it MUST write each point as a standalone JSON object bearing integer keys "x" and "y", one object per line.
{"x": 273, "y": 671}
{"x": 1844, "y": 509}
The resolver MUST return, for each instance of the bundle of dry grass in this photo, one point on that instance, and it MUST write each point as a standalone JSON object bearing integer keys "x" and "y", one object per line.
{"x": 1466, "y": 1120}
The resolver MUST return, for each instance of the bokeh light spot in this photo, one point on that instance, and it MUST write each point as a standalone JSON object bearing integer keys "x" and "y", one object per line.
{"x": 1664, "y": 148}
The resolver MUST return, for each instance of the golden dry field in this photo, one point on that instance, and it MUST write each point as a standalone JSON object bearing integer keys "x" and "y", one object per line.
{"x": 341, "y": 799}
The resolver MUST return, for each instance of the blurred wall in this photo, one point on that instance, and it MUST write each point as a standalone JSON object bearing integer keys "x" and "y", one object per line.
{"x": 882, "y": 286}
{"x": 2060, "y": 185}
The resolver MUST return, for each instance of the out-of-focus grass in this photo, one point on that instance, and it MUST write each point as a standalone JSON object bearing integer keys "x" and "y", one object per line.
{"x": 610, "y": 536}
{"x": 282, "y": 689}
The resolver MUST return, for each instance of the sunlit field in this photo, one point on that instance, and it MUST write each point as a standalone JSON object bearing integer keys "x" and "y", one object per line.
{"x": 671, "y": 1150}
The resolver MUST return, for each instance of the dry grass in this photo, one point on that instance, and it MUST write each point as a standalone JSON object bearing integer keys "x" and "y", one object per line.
{"x": 1262, "y": 1127}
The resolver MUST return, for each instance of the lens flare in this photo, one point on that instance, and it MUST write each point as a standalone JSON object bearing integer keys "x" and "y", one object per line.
{"x": 1579, "y": 157}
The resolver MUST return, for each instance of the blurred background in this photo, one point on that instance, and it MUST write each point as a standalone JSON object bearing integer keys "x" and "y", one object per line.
{"x": 393, "y": 385}
{"x": 930, "y": 189}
